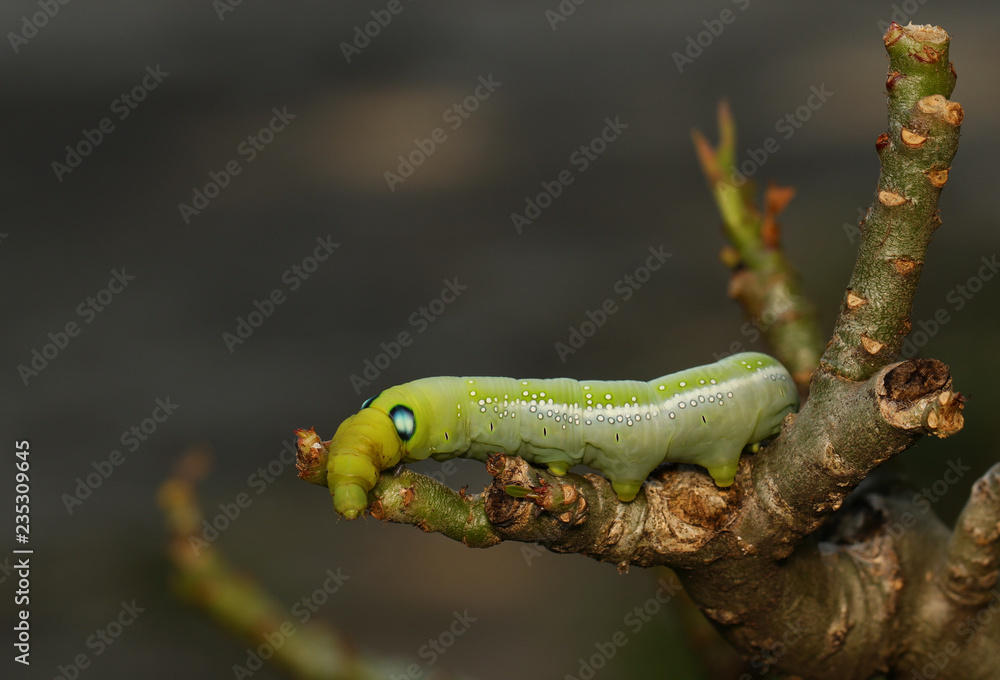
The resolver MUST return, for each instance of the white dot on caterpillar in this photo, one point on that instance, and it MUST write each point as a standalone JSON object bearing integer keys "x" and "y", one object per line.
{"x": 701, "y": 382}
{"x": 729, "y": 394}
{"x": 472, "y": 393}
{"x": 607, "y": 396}
{"x": 482, "y": 410}
{"x": 711, "y": 399}
{"x": 701, "y": 399}
{"x": 533, "y": 408}
{"x": 548, "y": 413}
{"x": 683, "y": 384}
{"x": 694, "y": 403}
{"x": 482, "y": 401}
{"x": 663, "y": 387}
{"x": 620, "y": 419}
{"x": 588, "y": 422}
{"x": 472, "y": 382}
{"x": 600, "y": 419}
{"x": 682, "y": 405}
{"x": 540, "y": 416}
{"x": 712, "y": 381}
{"x": 525, "y": 393}
{"x": 672, "y": 415}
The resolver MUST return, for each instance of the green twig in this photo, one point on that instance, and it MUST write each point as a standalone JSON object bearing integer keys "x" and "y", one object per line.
{"x": 763, "y": 280}
{"x": 916, "y": 155}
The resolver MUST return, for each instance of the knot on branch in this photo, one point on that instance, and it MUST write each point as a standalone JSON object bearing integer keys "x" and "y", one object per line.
{"x": 519, "y": 494}
{"x": 917, "y": 395}
{"x": 676, "y": 514}
{"x": 310, "y": 460}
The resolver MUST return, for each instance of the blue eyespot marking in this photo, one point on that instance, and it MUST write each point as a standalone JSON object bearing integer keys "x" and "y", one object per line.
{"x": 368, "y": 402}
{"x": 402, "y": 418}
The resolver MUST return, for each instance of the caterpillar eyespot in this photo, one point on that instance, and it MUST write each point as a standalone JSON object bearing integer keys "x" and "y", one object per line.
{"x": 623, "y": 429}
{"x": 404, "y": 421}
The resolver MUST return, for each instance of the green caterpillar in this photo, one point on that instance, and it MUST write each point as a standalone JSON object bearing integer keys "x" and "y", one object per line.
{"x": 623, "y": 429}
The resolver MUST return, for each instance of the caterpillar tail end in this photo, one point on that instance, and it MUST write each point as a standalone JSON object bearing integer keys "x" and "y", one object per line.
{"x": 364, "y": 445}
{"x": 626, "y": 491}
{"x": 724, "y": 475}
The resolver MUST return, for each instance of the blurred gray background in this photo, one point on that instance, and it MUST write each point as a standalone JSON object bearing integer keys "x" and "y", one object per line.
{"x": 323, "y": 176}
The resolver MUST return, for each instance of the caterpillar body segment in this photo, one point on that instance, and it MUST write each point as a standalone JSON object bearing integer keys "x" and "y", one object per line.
{"x": 623, "y": 429}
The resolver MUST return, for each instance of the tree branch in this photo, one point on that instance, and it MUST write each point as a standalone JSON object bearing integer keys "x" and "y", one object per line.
{"x": 880, "y": 588}
{"x": 916, "y": 155}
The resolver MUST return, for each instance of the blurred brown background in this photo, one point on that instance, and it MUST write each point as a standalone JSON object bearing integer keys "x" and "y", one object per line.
{"x": 323, "y": 176}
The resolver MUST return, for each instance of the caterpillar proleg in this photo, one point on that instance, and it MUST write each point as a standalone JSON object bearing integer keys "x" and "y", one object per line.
{"x": 623, "y": 429}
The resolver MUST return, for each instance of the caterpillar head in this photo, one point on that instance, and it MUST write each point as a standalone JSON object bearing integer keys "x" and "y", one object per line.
{"x": 380, "y": 435}
{"x": 363, "y": 445}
